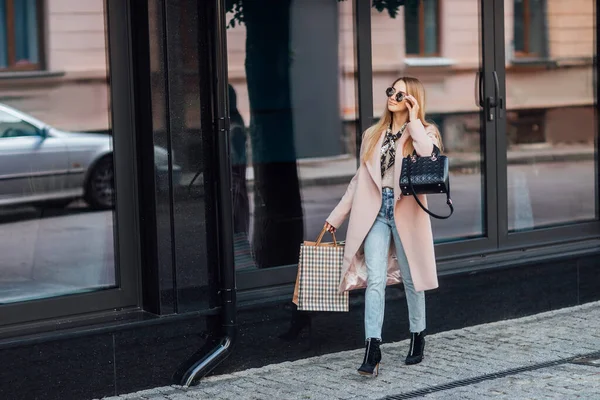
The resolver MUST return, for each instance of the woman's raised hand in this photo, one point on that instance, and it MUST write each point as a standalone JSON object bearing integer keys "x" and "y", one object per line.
{"x": 329, "y": 228}
{"x": 413, "y": 108}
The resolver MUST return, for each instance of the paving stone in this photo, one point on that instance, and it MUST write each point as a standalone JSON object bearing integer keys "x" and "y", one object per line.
{"x": 450, "y": 356}
{"x": 547, "y": 383}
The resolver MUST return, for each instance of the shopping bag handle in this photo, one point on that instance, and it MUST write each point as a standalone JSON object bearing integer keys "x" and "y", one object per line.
{"x": 323, "y": 234}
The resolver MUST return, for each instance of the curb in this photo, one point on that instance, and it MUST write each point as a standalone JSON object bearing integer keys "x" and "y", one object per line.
{"x": 455, "y": 166}
{"x": 459, "y": 166}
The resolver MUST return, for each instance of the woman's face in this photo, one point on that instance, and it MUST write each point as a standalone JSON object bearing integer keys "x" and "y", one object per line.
{"x": 397, "y": 106}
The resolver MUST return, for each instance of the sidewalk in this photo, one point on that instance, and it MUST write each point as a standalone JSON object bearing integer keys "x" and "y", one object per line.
{"x": 537, "y": 357}
{"x": 341, "y": 169}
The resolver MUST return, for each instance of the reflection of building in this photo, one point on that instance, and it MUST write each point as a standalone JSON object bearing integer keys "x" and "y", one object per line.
{"x": 60, "y": 58}
{"x": 550, "y": 51}
{"x": 523, "y": 239}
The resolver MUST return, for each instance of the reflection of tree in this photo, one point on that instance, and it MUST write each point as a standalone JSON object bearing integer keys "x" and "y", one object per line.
{"x": 278, "y": 221}
{"x": 391, "y": 6}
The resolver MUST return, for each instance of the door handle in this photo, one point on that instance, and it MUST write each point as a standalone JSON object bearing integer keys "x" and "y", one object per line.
{"x": 495, "y": 101}
{"x": 479, "y": 89}
{"x": 490, "y": 102}
{"x": 498, "y": 101}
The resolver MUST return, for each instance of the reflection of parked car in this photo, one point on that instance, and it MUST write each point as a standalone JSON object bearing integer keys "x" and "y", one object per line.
{"x": 41, "y": 164}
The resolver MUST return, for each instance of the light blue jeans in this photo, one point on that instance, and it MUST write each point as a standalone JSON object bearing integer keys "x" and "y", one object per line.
{"x": 376, "y": 249}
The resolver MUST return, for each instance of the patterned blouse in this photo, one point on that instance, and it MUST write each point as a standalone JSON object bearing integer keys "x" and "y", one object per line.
{"x": 388, "y": 156}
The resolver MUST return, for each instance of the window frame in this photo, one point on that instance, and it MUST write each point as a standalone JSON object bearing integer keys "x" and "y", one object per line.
{"x": 422, "y": 53}
{"x": 10, "y": 39}
{"x": 127, "y": 242}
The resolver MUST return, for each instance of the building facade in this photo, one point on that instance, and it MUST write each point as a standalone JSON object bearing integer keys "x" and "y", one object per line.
{"x": 161, "y": 161}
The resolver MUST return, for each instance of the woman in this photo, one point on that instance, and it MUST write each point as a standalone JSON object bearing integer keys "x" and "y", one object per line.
{"x": 378, "y": 212}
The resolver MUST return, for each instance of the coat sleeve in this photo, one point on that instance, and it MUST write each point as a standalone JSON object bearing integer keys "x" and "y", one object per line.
{"x": 423, "y": 138}
{"x": 341, "y": 211}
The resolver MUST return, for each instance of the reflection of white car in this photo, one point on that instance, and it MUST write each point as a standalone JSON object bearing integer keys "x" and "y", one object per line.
{"x": 41, "y": 164}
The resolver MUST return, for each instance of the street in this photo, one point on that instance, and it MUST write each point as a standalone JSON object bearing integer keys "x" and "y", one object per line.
{"x": 538, "y": 195}
{"x": 53, "y": 252}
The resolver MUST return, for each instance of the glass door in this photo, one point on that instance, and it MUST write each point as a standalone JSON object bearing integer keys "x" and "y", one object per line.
{"x": 292, "y": 102}
{"x": 302, "y": 91}
{"x": 547, "y": 147}
{"x": 509, "y": 83}
{"x": 451, "y": 51}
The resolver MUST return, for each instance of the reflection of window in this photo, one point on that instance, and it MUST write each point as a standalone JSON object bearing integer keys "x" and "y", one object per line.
{"x": 527, "y": 126}
{"x": 529, "y": 30}
{"x": 19, "y": 34}
{"x": 421, "y": 27}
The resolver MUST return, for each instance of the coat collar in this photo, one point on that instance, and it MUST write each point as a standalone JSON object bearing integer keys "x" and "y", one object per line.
{"x": 374, "y": 163}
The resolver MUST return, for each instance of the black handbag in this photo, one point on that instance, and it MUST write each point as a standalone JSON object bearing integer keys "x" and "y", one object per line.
{"x": 426, "y": 175}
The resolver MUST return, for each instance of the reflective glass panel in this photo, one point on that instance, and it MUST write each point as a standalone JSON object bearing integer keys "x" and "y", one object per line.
{"x": 450, "y": 81}
{"x": 292, "y": 91}
{"x": 57, "y": 192}
{"x": 551, "y": 119}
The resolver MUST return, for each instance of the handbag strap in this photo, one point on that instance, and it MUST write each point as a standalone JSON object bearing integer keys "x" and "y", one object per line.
{"x": 435, "y": 152}
{"x": 320, "y": 238}
{"x": 448, "y": 199}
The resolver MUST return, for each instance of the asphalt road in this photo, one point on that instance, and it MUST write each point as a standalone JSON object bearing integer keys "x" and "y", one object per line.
{"x": 45, "y": 253}
{"x": 51, "y": 252}
{"x": 538, "y": 195}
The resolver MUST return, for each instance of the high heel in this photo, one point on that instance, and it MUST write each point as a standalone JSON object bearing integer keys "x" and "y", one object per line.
{"x": 370, "y": 365}
{"x": 300, "y": 320}
{"x": 417, "y": 347}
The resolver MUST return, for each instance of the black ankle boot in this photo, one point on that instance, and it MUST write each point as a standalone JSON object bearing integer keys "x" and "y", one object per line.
{"x": 300, "y": 320}
{"x": 370, "y": 365}
{"x": 417, "y": 346}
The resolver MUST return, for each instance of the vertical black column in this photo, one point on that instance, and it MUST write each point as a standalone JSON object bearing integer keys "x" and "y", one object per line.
{"x": 495, "y": 137}
{"x": 364, "y": 63}
{"x": 148, "y": 54}
{"x": 124, "y": 153}
{"x": 227, "y": 284}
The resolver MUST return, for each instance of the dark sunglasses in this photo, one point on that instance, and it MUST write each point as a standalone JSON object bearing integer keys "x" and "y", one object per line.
{"x": 399, "y": 96}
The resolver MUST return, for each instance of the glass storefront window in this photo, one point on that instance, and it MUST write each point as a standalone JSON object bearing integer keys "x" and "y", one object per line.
{"x": 449, "y": 82}
{"x": 57, "y": 192}
{"x": 551, "y": 118}
{"x": 292, "y": 92}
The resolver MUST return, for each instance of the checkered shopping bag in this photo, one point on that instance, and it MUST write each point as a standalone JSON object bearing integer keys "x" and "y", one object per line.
{"x": 319, "y": 272}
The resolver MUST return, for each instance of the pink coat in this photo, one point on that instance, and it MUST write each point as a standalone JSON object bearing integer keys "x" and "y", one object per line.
{"x": 362, "y": 202}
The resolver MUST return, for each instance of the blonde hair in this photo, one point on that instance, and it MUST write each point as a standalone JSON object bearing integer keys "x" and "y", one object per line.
{"x": 415, "y": 88}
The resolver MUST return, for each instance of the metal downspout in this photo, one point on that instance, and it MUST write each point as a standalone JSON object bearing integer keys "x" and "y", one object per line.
{"x": 227, "y": 292}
